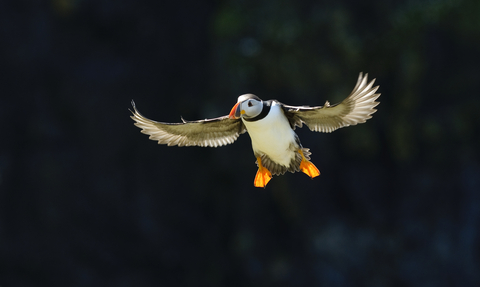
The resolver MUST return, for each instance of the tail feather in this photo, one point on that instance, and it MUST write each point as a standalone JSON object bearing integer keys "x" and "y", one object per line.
{"x": 278, "y": 169}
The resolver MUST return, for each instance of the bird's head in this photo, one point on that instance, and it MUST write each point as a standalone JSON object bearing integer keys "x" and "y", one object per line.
{"x": 247, "y": 106}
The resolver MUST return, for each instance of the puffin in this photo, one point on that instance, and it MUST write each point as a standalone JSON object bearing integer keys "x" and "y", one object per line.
{"x": 271, "y": 126}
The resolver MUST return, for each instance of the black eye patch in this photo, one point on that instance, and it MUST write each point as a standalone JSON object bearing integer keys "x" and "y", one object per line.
{"x": 250, "y": 103}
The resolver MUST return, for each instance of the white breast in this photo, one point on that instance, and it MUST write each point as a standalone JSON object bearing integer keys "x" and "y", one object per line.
{"x": 273, "y": 136}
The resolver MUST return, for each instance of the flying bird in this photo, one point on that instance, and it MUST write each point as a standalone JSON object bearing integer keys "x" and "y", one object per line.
{"x": 271, "y": 126}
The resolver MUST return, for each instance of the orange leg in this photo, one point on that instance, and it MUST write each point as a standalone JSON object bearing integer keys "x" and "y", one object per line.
{"x": 263, "y": 175}
{"x": 307, "y": 167}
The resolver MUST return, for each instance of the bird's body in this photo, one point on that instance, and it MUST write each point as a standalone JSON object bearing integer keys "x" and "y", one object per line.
{"x": 270, "y": 125}
{"x": 273, "y": 136}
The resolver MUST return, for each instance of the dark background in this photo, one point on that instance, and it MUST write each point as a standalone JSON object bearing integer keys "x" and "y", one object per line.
{"x": 87, "y": 200}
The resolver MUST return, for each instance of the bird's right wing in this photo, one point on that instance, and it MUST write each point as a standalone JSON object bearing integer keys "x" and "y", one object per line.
{"x": 205, "y": 133}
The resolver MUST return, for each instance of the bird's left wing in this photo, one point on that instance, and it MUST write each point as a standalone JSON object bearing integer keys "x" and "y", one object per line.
{"x": 205, "y": 133}
{"x": 355, "y": 109}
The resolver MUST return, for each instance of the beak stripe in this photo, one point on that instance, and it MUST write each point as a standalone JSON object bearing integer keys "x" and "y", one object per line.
{"x": 233, "y": 113}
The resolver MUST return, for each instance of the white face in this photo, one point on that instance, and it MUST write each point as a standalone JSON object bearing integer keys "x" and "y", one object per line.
{"x": 251, "y": 108}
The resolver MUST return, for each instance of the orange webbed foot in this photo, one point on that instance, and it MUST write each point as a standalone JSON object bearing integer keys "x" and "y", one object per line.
{"x": 262, "y": 178}
{"x": 308, "y": 167}
{"x": 263, "y": 175}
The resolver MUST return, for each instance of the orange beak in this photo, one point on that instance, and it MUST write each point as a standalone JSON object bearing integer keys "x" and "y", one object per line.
{"x": 235, "y": 112}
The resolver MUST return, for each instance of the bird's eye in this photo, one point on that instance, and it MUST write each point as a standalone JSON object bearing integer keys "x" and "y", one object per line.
{"x": 250, "y": 103}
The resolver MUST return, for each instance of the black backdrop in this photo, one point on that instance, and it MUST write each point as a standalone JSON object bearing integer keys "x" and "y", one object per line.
{"x": 87, "y": 200}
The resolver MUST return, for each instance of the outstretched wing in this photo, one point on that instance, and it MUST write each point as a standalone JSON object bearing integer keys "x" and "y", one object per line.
{"x": 355, "y": 109}
{"x": 205, "y": 133}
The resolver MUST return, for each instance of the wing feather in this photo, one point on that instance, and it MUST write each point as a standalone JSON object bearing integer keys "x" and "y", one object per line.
{"x": 357, "y": 108}
{"x": 205, "y": 133}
